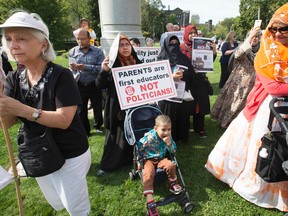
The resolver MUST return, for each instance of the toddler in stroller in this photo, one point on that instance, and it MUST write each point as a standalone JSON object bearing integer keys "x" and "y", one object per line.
{"x": 154, "y": 155}
{"x": 152, "y": 148}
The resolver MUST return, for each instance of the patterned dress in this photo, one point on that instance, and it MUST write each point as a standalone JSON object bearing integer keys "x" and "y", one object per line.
{"x": 233, "y": 159}
{"x": 233, "y": 95}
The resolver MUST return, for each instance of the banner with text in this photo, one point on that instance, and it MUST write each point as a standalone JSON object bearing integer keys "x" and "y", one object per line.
{"x": 5, "y": 178}
{"x": 147, "y": 54}
{"x": 143, "y": 83}
{"x": 179, "y": 34}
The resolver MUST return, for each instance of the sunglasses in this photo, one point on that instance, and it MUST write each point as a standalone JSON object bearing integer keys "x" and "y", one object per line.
{"x": 281, "y": 30}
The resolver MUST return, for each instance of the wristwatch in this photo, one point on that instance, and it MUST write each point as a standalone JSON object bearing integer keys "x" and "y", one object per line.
{"x": 36, "y": 114}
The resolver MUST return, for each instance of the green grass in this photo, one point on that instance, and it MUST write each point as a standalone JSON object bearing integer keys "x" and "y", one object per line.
{"x": 115, "y": 194}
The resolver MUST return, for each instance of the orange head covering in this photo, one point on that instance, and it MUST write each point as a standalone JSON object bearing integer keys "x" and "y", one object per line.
{"x": 272, "y": 58}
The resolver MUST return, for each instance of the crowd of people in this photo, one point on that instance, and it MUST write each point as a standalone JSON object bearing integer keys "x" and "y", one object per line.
{"x": 252, "y": 73}
{"x": 233, "y": 158}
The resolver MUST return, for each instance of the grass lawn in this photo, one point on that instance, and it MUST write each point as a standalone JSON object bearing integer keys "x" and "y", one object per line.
{"x": 115, "y": 194}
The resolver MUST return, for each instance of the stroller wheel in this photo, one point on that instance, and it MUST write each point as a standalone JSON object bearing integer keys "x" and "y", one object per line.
{"x": 132, "y": 175}
{"x": 188, "y": 207}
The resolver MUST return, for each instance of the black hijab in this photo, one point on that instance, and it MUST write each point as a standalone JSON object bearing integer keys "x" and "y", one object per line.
{"x": 172, "y": 52}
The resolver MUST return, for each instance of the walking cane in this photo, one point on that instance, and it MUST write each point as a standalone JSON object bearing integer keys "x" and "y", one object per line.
{"x": 12, "y": 162}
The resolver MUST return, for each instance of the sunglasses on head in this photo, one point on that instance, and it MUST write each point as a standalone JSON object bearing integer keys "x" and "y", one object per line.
{"x": 281, "y": 30}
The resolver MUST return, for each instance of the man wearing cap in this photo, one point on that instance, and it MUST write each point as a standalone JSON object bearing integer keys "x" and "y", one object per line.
{"x": 88, "y": 63}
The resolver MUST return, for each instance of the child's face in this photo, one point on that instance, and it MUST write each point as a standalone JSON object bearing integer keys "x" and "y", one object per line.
{"x": 163, "y": 130}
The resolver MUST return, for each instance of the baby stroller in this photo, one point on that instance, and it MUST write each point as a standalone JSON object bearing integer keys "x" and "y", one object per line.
{"x": 272, "y": 160}
{"x": 138, "y": 121}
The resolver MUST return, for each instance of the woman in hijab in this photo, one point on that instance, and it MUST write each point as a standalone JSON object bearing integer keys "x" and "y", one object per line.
{"x": 117, "y": 152}
{"x": 178, "y": 112}
{"x": 233, "y": 159}
{"x": 201, "y": 88}
{"x": 232, "y": 97}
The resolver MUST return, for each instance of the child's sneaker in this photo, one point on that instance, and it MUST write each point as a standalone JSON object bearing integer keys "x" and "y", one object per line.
{"x": 152, "y": 209}
{"x": 175, "y": 188}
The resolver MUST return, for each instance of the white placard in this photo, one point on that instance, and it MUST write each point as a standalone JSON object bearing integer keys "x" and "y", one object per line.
{"x": 179, "y": 34}
{"x": 202, "y": 55}
{"x": 5, "y": 178}
{"x": 180, "y": 89}
{"x": 147, "y": 54}
{"x": 113, "y": 52}
{"x": 143, "y": 83}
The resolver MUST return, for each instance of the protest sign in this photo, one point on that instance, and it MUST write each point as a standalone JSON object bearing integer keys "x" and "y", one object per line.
{"x": 147, "y": 54}
{"x": 113, "y": 52}
{"x": 5, "y": 178}
{"x": 143, "y": 83}
{"x": 202, "y": 55}
{"x": 179, "y": 34}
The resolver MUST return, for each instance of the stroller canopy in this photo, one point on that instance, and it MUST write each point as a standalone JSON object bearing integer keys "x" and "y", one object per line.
{"x": 138, "y": 121}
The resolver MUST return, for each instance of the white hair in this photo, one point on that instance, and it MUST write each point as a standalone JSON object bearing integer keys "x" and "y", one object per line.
{"x": 48, "y": 54}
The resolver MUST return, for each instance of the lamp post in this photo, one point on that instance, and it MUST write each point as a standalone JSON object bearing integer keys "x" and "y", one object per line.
{"x": 259, "y": 9}
{"x": 183, "y": 19}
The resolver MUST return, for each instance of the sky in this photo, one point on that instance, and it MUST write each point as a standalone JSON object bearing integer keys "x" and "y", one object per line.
{"x": 217, "y": 10}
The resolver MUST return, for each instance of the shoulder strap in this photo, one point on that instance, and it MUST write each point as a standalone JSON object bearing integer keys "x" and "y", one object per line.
{"x": 49, "y": 91}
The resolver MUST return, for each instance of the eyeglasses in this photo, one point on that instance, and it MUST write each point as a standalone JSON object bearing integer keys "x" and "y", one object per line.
{"x": 81, "y": 39}
{"x": 281, "y": 30}
{"x": 122, "y": 45}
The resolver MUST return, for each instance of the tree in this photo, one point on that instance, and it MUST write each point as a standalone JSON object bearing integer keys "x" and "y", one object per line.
{"x": 172, "y": 18}
{"x": 152, "y": 18}
{"x": 220, "y": 30}
{"x": 249, "y": 13}
{"x": 94, "y": 16}
{"x": 53, "y": 12}
{"x": 78, "y": 9}
{"x": 228, "y": 23}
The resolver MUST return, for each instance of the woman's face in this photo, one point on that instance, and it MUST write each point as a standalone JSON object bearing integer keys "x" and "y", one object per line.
{"x": 23, "y": 45}
{"x": 279, "y": 32}
{"x": 85, "y": 25}
{"x": 255, "y": 40}
{"x": 234, "y": 37}
{"x": 192, "y": 34}
{"x": 134, "y": 44}
{"x": 125, "y": 48}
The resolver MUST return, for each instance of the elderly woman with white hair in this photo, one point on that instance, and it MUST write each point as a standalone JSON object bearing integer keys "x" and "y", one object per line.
{"x": 45, "y": 97}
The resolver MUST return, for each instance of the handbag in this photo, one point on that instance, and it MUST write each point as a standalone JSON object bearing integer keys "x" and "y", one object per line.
{"x": 39, "y": 156}
{"x": 271, "y": 155}
{"x": 273, "y": 151}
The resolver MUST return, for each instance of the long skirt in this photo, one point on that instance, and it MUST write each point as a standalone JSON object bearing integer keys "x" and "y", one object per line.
{"x": 117, "y": 152}
{"x": 233, "y": 161}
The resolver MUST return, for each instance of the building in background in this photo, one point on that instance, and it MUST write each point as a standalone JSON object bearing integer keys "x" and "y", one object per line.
{"x": 195, "y": 18}
{"x": 182, "y": 17}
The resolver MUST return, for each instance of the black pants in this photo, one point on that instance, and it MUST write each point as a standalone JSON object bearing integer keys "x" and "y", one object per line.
{"x": 224, "y": 74}
{"x": 95, "y": 95}
{"x": 198, "y": 123}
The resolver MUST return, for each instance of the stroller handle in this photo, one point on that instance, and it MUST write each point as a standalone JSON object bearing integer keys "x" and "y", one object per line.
{"x": 280, "y": 119}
